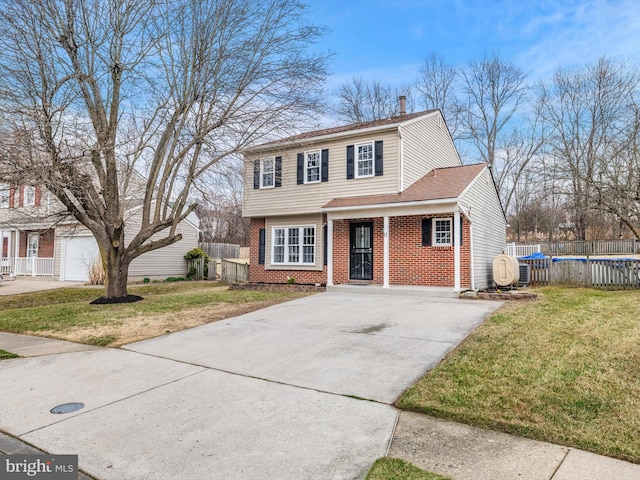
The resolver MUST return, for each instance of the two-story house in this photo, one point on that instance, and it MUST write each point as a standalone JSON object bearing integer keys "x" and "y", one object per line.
{"x": 38, "y": 238}
{"x": 386, "y": 202}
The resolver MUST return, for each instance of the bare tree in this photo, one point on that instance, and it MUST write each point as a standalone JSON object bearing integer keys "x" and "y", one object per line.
{"x": 93, "y": 93}
{"x": 438, "y": 88}
{"x": 492, "y": 92}
{"x": 362, "y": 101}
{"x": 592, "y": 115}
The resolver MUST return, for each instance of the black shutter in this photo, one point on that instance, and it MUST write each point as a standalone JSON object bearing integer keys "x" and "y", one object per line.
{"x": 300, "y": 168}
{"x": 378, "y": 158}
{"x": 325, "y": 165}
{"x": 256, "y": 174}
{"x": 349, "y": 162}
{"x": 261, "y": 247}
{"x": 426, "y": 232}
{"x": 326, "y": 244}
{"x": 278, "y": 179}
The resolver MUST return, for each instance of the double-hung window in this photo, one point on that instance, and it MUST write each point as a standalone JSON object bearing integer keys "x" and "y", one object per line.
{"x": 442, "y": 231}
{"x": 312, "y": 166}
{"x": 294, "y": 245}
{"x": 267, "y": 172}
{"x": 364, "y": 160}
{"x": 29, "y": 196}
{"x": 4, "y": 195}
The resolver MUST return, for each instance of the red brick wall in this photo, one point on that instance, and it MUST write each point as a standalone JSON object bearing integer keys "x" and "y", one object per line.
{"x": 258, "y": 274}
{"x": 412, "y": 264}
{"x": 46, "y": 245}
{"x": 409, "y": 262}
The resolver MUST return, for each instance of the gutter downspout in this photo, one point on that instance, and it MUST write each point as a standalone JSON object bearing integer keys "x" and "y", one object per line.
{"x": 456, "y": 249}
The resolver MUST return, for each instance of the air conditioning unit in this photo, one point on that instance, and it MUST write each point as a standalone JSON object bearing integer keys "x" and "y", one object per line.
{"x": 525, "y": 274}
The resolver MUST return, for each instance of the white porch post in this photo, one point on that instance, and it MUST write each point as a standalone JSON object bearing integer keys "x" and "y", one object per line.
{"x": 386, "y": 252}
{"x": 329, "y": 252}
{"x": 456, "y": 250}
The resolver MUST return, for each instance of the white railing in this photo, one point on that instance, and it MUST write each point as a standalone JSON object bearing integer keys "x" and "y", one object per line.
{"x": 516, "y": 250}
{"x": 33, "y": 266}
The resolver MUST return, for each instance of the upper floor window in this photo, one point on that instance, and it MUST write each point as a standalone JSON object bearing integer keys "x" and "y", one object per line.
{"x": 4, "y": 195}
{"x": 294, "y": 245}
{"x": 267, "y": 172}
{"x": 364, "y": 160}
{"x": 312, "y": 167}
{"x": 29, "y": 196}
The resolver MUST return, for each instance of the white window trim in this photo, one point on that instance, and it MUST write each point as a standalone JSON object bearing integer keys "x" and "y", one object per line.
{"x": 356, "y": 161}
{"x": 433, "y": 232}
{"x": 306, "y": 166}
{"x": 301, "y": 244}
{"x": 263, "y": 161}
{"x": 31, "y": 203}
{"x": 5, "y": 189}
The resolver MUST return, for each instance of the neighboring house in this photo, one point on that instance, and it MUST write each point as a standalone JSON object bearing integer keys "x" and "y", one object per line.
{"x": 37, "y": 241}
{"x": 385, "y": 202}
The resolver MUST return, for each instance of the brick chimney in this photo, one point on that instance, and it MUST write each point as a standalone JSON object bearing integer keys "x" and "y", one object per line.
{"x": 403, "y": 104}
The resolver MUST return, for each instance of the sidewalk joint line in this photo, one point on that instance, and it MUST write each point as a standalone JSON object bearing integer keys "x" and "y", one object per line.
{"x": 560, "y": 464}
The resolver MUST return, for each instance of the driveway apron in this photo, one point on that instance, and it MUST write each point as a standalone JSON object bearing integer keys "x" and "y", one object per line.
{"x": 276, "y": 393}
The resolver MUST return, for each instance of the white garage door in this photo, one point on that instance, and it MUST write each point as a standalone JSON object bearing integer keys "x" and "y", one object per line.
{"x": 80, "y": 253}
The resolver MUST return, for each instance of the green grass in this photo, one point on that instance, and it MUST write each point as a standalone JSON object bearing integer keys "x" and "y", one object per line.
{"x": 564, "y": 369}
{"x": 396, "y": 469}
{"x": 67, "y": 308}
{"x": 5, "y": 355}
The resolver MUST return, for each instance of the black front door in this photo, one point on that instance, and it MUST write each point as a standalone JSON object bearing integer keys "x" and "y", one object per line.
{"x": 361, "y": 251}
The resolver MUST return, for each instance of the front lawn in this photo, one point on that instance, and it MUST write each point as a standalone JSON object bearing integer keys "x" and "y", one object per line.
{"x": 564, "y": 369}
{"x": 395, "y": 469}
{"x": 5, "y": 355}
{"x": 66, "y": 314}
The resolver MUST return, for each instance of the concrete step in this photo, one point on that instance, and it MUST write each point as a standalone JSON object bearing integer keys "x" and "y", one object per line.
{"x": 405, "y": 290}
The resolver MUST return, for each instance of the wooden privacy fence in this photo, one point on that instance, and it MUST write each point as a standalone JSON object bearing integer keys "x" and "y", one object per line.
{"x": 590, "y": 247}
{"x": 195, "y": 269}
{"x": 234, "y": 272}
{"x": 221, "y": 250}
{"x": 610, "y": 273}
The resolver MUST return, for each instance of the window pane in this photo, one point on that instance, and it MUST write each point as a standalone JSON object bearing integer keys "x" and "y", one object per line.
{"x": 308, "y": 253}
{"x": 4, "y": 195}
{"x": 267, "y": 172}
{"x": 365, "y": 160}
{"x": 278, "y": 245}
{"x": 313, "y": 166}
{"x": 442, "y": 232}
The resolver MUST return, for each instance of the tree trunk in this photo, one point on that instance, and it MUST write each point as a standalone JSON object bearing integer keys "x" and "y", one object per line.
{"x": 116, "y": 267}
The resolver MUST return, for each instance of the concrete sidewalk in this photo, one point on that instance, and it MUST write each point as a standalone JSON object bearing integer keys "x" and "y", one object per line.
{"x": 30, "y": 346}
{"x": 32, "y": 284}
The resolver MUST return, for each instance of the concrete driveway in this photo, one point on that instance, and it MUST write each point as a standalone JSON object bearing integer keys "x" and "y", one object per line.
{"x": 277, "y": 393}
{"x": 32, "y": 284}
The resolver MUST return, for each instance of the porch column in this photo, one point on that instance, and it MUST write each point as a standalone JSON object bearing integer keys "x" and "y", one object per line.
{"x": 329, "y": 252}
{"x": 456, "y": 250}
{"x": 385, "y": 231}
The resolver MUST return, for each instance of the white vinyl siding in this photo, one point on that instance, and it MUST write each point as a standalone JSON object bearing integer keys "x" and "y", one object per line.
{"x": 312, "y": 166}
{"x": 294, "y": 199}
{"x": 426, "y": 145}
{"x": 489, "y": 228}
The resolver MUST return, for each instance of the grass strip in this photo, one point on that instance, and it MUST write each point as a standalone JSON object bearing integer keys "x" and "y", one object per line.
{"x": 387, "y": 468}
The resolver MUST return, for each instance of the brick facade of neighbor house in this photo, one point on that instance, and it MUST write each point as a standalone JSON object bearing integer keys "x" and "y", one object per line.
{"x": 258, "y": 273}
{"x": 46, "y": 246}
{"x": 410, "y": 263}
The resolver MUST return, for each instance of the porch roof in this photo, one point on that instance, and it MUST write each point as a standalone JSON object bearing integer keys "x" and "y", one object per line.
{"x": 438, "y": 184}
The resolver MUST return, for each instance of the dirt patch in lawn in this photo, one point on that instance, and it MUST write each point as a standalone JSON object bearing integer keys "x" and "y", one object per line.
{"x": 138, "y": 328}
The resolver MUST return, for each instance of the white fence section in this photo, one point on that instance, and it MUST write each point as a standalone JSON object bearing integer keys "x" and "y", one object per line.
{"x": 521, "y": 250}
{"x": 32, "y": 266}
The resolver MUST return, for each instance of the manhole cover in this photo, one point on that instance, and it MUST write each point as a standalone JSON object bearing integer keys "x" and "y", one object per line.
{"x": 67, "y": 407}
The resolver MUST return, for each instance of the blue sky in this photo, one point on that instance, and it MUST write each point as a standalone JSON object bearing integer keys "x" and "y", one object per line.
{"x": 387, "y": 40}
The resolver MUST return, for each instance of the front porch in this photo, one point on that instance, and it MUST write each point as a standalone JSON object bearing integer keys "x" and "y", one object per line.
{"x": 396, "y": 290}
{"x": 26, "y": 252}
